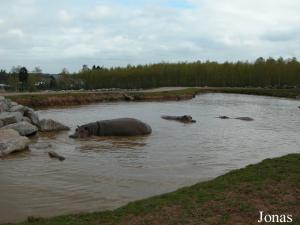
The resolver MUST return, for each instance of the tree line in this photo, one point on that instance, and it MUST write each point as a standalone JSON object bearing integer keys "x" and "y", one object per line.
{"x": 277, "y": 73}
{"x": 270, "y": 72}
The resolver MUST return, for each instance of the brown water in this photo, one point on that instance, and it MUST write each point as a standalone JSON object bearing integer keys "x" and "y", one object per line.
{"x": 104, "y": 173}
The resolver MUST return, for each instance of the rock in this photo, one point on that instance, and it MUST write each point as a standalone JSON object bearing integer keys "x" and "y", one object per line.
{"x": 17, "y": 108}
{"x": 41, "y": 145}
{"x": 11, "y": 141}
{"x": 3, "y": 104}
{"x": 55, "y": 155}
{"x": 17, "y": 115}
{"x": 26, "y": 119}
{"x": 24, "y": 128}
{"x": 12, "y": 104}
{"x": 128, "y": 97}
{"x": 1, "y": 124}
{"x": 33, "y": 116}
{"x": 51, "y": 125}
{"x": 8, "y": 118}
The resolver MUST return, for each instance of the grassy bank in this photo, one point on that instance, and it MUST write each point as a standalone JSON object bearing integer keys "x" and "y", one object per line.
{"x": 272, "y": 186}
{"x": 52, "y": 99}
{"x": 78, "y": 98}
{"x": 284, "y": 93}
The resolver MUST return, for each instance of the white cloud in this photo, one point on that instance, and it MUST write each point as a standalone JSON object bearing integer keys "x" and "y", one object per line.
{"x": 102, "y": 12}
{"x": 114, "y": 33}
{"x": 16, "y": 32}
{"x": 65, "y": 16}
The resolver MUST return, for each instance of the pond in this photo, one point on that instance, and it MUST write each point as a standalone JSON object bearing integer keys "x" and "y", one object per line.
{"x": 105, "y": 173}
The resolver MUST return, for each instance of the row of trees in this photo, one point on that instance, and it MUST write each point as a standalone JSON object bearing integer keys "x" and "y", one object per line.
{"x": 269, "y": 72}
{"x": 263, "y": 72}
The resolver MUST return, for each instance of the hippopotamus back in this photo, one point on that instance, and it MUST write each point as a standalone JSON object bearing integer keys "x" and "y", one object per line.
{"x": 114, "y": 127}
{"x": 123, "y": 127}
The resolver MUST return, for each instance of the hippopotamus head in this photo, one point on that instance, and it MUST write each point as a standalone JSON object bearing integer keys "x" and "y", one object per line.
{"x": 187, "y": 119}
{"x": 81, "y": 132}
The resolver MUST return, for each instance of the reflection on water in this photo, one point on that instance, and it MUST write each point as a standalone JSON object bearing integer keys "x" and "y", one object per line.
{"x": 104, "y": 173}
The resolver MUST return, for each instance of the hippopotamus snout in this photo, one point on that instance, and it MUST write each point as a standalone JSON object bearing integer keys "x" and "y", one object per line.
{"x": 80, "y": 132}
{"x": 183, "y": 119}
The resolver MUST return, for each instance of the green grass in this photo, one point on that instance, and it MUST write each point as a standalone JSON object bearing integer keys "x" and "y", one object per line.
{"x": 285, "y": 93}
{"x": 234, "y": 198}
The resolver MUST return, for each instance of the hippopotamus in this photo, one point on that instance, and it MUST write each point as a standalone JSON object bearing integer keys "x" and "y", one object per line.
{"x": 223, "y": 117}
{"x": 245, "y": 118}
{"x": 114, "y": 127}
{"x": 183, "y": 119}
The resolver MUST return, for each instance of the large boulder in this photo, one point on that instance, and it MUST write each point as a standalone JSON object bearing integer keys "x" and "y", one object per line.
{"x": 46, "y": 125}
{"x": 17, "y": 115}
{"x": 32, "y": 115}
{"x": 24, "y": 128}
{"x": 26, "y": 119}
{"x": 9, "y": 118}
{"x": 11, "y": 141}
{"x": 12, "y": 104}
{"x": 3, "y": 104}
{"x": 17, "y": 108}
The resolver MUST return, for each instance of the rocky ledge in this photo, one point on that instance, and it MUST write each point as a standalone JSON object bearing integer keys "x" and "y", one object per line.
{"x": 17, "y": 122}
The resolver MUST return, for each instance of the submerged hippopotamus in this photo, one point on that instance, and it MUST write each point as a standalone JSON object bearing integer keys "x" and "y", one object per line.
{"x": 183, "y": 119}
{"x": 244, "y": 118}
{"x": 114, "y": 127}
{"x": 223, "y": 117}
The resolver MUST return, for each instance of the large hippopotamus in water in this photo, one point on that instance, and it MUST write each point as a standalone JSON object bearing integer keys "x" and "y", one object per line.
{"x": 183, "y": 119}
{"x": 114, "y": 127}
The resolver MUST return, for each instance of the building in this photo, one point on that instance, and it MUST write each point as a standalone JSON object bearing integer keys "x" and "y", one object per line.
{"x": 4, "y": 87}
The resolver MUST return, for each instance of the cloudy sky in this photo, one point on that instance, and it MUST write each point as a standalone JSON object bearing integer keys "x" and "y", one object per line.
{"x": 69, "y": 33}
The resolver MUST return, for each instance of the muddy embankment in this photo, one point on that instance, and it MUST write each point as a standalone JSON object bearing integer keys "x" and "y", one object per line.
{"x": 67, "y": 99}
{"x": 53, "y": 99}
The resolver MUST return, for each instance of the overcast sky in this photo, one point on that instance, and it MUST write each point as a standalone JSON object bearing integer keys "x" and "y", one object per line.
{"x": 69, "y": 33}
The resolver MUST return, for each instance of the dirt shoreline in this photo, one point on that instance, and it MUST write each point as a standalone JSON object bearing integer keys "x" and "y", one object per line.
{"x": 54, "y": 99}
{"x": 69, "y": 98}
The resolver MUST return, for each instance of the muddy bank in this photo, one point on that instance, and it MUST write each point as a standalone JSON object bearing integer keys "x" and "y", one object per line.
{"x": 67, "y": 99}
{"x": 54, "y": 99}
